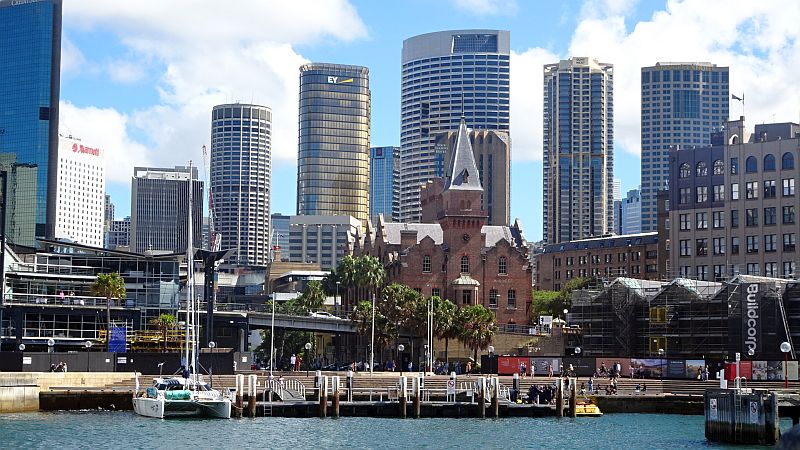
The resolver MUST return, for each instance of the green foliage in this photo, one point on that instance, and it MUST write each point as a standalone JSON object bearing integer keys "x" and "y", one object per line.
{"x": 164, "y": 323}
{"x": 477, "y": 327}
{"x": 445, "y": 313}
{"x": 109, "y": 285}
{"x": 553, "y": 303}
{"x": 312, "y": 298}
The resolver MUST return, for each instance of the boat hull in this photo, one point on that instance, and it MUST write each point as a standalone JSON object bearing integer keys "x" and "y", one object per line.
{"x": 162, "y": 409}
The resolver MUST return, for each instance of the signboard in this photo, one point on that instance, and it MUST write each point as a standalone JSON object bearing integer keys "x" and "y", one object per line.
{"x": 118, "y": 340}
{"x": 751, "y": 318}
{"x": 712, "y": 408}
{"x": 753, "y": 412}
{"x": 451, "y": 387}
{"x": 27, "y": 360}
{"x": 122, "y": 360}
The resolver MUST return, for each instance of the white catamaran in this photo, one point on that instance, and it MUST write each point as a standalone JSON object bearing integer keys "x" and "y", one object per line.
{"x": 188, "y": 395}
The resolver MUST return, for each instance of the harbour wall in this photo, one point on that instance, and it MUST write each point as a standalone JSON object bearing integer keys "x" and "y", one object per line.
{"x": 20, "y": 391}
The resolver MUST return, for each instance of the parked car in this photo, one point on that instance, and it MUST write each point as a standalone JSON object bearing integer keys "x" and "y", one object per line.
{"x": 323, "y": 315}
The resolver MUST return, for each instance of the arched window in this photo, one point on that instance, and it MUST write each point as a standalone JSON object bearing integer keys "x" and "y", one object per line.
{"x": 502, "y": 266}
{"x": 702, "y": 169}
{"x": 719, "y": 167}
{"x": 769, "y": 163}
{"x": 465, "y": 264}
{"x": 685, "y": 171}
{"x": 787, "y": 161}
{"x": 751, "y": 165}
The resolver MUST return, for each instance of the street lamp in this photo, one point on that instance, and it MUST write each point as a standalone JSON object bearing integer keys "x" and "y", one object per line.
{"x": 50, "y": 344}
{"x": 490, "y": 349}
{"x": 372, "y": 338}
{"x": 308, "y": 349}
{"x": 786, "y": 347}
{"x": 212, "y": 345}
{"x": 661, "y": 355}
{"x": 400, "y": 349}
{"x": 337, "y": 302}
{"x": 21, "y": 347}
{"x": 578, "y": 352}
{"x": 566, "y": 311}
{"x": 88, "y": 345}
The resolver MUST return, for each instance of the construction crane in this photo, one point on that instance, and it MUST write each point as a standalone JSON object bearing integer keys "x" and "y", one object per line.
{"x": 214, "y": 238}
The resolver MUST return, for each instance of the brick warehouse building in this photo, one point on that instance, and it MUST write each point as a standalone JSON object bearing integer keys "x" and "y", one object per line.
{"x": 458, "y": 257}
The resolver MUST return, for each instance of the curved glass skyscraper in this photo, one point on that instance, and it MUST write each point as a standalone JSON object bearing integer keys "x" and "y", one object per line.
{"x": 447, "y": 74}
{"x": 333, "y": 157}
{"x": 241, "y": 173}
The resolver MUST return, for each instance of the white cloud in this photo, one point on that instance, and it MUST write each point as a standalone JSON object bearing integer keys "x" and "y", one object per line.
{"x": 488, "y": 7}
{"x": 72, "y": 58}
{"x": 208, "y": 52}
{"x": 759, "y": 41}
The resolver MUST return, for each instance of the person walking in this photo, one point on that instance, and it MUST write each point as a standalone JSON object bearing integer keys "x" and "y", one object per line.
{"x": 292, "y": 362}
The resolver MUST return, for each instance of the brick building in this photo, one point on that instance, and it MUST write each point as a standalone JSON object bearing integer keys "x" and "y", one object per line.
{"x": 457, "y": 257}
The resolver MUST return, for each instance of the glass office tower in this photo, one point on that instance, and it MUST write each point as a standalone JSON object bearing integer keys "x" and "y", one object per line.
{"x": 333, "y": 158}
{"x": 384, "y": 165}
{"x": 30, "y": 70}
{"x": 682, "y": 104}
{"x": 447, "y": 75}
{"x": 241, "y": 174}
{"x": 578, "y": 155}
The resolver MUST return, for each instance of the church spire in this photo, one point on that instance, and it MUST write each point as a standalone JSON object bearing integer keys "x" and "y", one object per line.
{"x": 462, "y": 174}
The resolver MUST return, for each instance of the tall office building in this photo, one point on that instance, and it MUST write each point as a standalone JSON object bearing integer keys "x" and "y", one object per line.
{"x": 578, "y": 149}
{"x": 241, "y": 174}
{"x": 160, "y": 209}
{"x": 682, "y": 104}
{"x": 492, "y": 153}
{"x": 447, "y": 75}
{"x": 333, "y": 158}
{"x": 108, "y": 214}
{"x": 631, "y": 213}
{"x": 30, "y": 71}
{"x": 321, "y": 239}
{"x": 119, "y": 234}
{"x": 81, "y": 186}
{"x": 384, "y": 166}
{"x": 281, "y": 224}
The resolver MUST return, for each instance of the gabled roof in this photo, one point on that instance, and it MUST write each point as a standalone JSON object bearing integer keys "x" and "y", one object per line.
{"x": 706, "y": 289}
{"x": 463, "y": 172}
{"x": 392, "y": 232}
{"x": 494, "y": 233}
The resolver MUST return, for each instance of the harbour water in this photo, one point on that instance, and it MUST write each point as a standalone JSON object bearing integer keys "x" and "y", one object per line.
{"x": 67, "y": 430}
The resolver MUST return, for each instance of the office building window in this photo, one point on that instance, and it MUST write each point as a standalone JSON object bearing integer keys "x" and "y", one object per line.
{"x": 788, "y": 214}
{"x": 752, "y": 269}
{"x": 435, "y": 292}
{"x": 701, "y": 247}
{"x": 769, "y": 163}
{"x": 702, "y": 169}
{"x": 493, "y": 298}
{"x": 734, "y": 166}
{"x": 685, "y": 196}
{"x": 702, "y": 194}
{"x": 752, "y": 244}
{"x": 719, "y": 271}
{"x": 735, "y": 245}
{"x": 719, "y": 167}
{"x": 465, "y": 264}
{"x": 751, "y": 217}
{"x": 735, "y": 218}
{"x": 788, "y": 242}
{"x": 466, "y": 298}
{"x": 512, "y": 299}
{"x": 735, "y": 191}
{"x": 770, "y": 243}
{"x": 718, "y": 219}
{"x": 702, "y": 273}
{"x": 719, "y": 192}
{"x": 719, "y": 246}
{"x": 685, "y": 249}
{"x": 685, "y": 171}
{"x": 685, "y": 222}
{"x": 788, "y": 187}
{"x": 685, "y": 271}
{"x": 769, "y": 189}
{"x": 751, "y": 190}
{"x": 787, "y": 161}
{"x": 788, "y": 268}
{"x": 702, "y": 220}
{"x": 770, "y": 216}
{"x": 426, "y": 264}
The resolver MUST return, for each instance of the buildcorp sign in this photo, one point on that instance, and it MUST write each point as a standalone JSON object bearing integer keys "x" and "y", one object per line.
{"x": 751, "y": 319}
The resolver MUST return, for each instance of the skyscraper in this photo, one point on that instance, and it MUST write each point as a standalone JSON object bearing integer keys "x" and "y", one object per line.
{"x": 30, "y": 71}
{"x": 492, "y": 153}
{"x": 333, "y": 158}
{"x": 631, "y": 213}
{"x": 384, "y": 165}
{"x": 160, "y": 209}
{"x": 682, "y": 104}
{"x": 447, "y": 75}
{"x": 241, "y": 173}
{"x": 81, "y": 185}
{"x": 578, "y": 149}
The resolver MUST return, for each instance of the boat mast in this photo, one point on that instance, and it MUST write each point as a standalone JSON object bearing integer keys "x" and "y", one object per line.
{"x": 191, "y": 332}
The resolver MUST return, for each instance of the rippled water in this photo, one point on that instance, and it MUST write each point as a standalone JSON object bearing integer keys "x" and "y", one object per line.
{"x": 124, "y": 430}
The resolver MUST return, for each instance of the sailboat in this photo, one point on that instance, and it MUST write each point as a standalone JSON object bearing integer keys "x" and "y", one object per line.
{"x": 188, "y": 395}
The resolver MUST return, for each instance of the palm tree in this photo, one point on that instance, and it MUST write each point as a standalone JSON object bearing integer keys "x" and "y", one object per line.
{"x": 477, "y": 325}
{"x": 369, "y": 273}
{"x": 346, "y": 274}
{"x": 164, "y": 323}
{"x": 312, "y": 298}
{"x": 109, "y": 285}
{"x": 444, "y": 321}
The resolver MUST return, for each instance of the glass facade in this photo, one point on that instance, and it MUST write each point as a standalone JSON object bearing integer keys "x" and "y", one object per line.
{"x": 384, "y": 163}
{"x": 446, "y": 75}
{"x": 30, "y": 61}
{"x": 241, "y": 174}
{"x": 333, "y": 158}
{"x": 682, "y": 104}
{"x": 578, "y": 149}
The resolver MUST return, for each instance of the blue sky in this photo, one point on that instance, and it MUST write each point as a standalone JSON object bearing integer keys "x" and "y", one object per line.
{"x": 139, "y": 78}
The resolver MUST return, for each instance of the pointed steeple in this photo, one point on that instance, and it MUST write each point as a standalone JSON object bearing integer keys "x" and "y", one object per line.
{"x": 463, "y": 172}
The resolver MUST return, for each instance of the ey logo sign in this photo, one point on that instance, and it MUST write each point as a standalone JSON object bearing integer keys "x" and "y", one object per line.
{"x": 336, "y": 80}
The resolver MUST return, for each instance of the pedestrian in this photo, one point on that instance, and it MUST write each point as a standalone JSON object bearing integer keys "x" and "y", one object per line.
{"x": 591, "y": 384}
{"x": 549, "y": 370}
{"x": 292, "y": 361}
{"x": 522, "y": 369}
{"x": 458, "y": 367}
{"x": 630, "y": 371}
{"x": 705, "y": 373}
{"x": 410, "y": 366}
{"x": 469, "y": 367}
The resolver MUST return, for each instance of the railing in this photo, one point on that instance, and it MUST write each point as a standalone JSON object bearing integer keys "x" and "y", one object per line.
{"x": 283, "y": 386}
{"x": 53, "y": 269}
{"x": 58, "y": 299}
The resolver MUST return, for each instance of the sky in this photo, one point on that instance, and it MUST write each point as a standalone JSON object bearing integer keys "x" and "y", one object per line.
{"x": 139, "y": 78}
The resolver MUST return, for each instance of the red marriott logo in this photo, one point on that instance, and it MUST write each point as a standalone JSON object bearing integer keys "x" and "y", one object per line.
{"x": 83, "y": 149}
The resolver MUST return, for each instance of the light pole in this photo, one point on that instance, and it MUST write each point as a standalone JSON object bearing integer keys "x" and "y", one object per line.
{"x": 372, "y": 339}
{"x": 212, "y": 345}
{"x": 88, "y": 345}
{"x": 50, "y": 344}
{"x": 272, "y": 326}
{"x": 786, "y": 347}
{"x": 661, "y": 355}
{"x": 429, "y": 359}
{"x": 490, "y": 349}
{"x": 337, "y": 302}
{"x": 308, "y": 349}
{"x": 566, "y": 311}
{"x": 578, "y": 351}
{"x": 400, "y": 349}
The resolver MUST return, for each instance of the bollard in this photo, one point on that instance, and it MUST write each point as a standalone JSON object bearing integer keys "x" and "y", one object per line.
{"x": 336, "y": 397}
{"x": 349, "y": 385}
{"x": 495, "y": 400}
{"x": 559, "y": 397}
{"x": 515, "y": 386}
{"x": 417, "y": 388}
{"x": 402, "y": 395}
{"x": 480, "y": 390}
{"x": 573, "y": 399}
{"x": 323, "y": 396}
{"x": 453, "y": 377}
{"x": 239, "y": 392}
{"x": 251, "y": 394}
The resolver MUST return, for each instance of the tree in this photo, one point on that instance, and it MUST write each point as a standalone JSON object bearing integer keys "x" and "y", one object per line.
{"x": 445, "y": 326}
{"x": 369, "y": 273}
{"x": 164, "y": 323}
{"x": 110, "y": 286}
{"x": 312, "y": 298}
{"x": 477, "y": 325}
{"x": 546, "y": 303}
